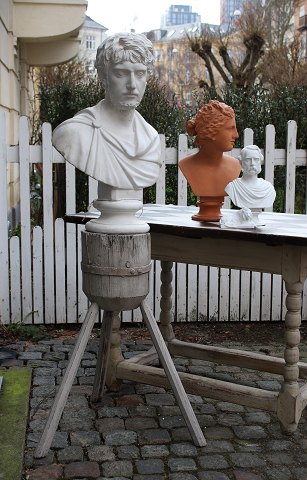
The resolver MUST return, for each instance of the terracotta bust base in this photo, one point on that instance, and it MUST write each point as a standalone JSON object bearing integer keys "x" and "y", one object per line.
{"x": 209, "y": 209}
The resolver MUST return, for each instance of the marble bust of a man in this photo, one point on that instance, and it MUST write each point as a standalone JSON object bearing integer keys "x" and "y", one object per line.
{"x": 249, "y": 191}
{"x": 111, "y": 141}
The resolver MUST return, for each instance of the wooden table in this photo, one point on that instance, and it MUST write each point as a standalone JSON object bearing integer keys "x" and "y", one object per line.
{"x": 278, "y": 247}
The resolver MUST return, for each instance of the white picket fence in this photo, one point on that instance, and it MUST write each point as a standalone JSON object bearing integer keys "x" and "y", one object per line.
{"x": 40, "y": 280}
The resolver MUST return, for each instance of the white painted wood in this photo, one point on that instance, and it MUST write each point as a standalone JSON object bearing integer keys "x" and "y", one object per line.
{"x": 15, "y": 287}
{"x": 60, "y": 276}
{"x": 224, "y": 294}
{"x": 63, "y": 392}
{"x": 160, "y": 184}
{"x": 26, "y": 254}
{"x": 266, "y": 292}
{"x": 173, "y": 377}
{"x": 92, "y": 193}
{"x": 203, "y": 293}
{"x": 182, "y": 183}
{"x": 71, "y": 246}
{"x": 269, "y": 157}
{"x": 38, "y": 282}
{"x": 47, "y": 155}
{"x": 234, "y": 301}
{"x": 82, "y": 300}
{"x": 213, "y": 294}
{"x": 255, "y": 296}
{"x": 4, "y": 250}
{"x": 245, "y": 278}
{"x": 290, "y": 167}
{"x": 248, "y": 138}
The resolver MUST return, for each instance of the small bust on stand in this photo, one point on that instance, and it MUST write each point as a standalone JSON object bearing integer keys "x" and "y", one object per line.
{"x": 209, "y": 170}
{"x": 111, "y": 141}
{"x": 249, "y": 192}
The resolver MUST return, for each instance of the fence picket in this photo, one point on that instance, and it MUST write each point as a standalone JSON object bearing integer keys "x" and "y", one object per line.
{"x": 38, "y": 281}
{"x": 15, "y": 287}
{"x": 290, "y": 167}
{"x": 160, "y": 184}
{"x": 26, "y": 267}
{"x": 71, "y": 246}
{"x": 60, "y": 304}
{"x": 47, "y": 156}
{"x": 4, "y": 249}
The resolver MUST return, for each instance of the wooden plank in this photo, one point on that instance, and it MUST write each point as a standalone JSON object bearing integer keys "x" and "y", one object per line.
{"x": 38, "y": 297}
{"x": 213, "y": 312}
{"x": 234, "y": 301}
{"x": 203, "y": 386}
{"x": 203, "y": 293}
{"x": 269, "y": 157}
{"x": 182, "y": 183}
{"x": 71, "y": 246}
{"x": 4, "y": 248}
{"x": 82, "y": 299}
{"x": 92, "y": 193}
{"x": 245, "y": 279}
{"x": 248, "y": 137}
{"x": 60, "y": 295}
{"x": 66, "y": 384}
{"x": 276, "y": 307}
{"x": 224, "y": 294}
{"x": 160, "y": 184}
{"x": 47, "y": 152}
{"x": 191, "y": 286}
{"x": 266, "y": 292}
{"x": 255, "y": 308}
{"x": 173, "y": 377}
{"x": 25, "y": 221}
{"x": 290, "y": 167}
{"x": 15, "y": 286}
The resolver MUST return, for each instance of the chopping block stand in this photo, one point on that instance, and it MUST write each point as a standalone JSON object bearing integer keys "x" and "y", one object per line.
{"x": 115, "y": 269}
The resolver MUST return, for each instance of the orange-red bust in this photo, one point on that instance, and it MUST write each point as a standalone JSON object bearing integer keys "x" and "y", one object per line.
{"x": 209, "y": 170}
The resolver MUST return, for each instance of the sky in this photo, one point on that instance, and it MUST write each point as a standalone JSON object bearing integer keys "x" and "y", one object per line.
{"x": 123, "y": 15}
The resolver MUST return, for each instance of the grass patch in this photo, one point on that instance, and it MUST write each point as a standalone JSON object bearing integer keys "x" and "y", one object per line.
{"x": 14, "y": 404}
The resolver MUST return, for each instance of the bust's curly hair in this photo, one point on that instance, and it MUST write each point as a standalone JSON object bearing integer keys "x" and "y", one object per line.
{"x": 209, "y": 119}
{"x": 122, "y": 47}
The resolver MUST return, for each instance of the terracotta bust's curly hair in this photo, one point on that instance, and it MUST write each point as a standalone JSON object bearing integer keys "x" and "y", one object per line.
{"x": 209, "y": 119}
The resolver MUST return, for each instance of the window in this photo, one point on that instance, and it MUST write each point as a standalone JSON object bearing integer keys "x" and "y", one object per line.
{"x": 90, "y": 42}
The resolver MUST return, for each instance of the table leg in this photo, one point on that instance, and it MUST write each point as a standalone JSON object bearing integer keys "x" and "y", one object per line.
{"x": 66, "y": 384}
{"x": 166, "y": 290}
{"x": 289, "y": 402}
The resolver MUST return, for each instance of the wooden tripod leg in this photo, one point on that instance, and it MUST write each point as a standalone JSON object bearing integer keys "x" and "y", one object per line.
{"x": 103, "y": 355}
{"x": 173, "y": 377}
{"x": 66, "y": 384}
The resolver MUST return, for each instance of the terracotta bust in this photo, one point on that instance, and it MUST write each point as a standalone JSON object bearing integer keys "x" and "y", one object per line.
{"x": 250, "y": 191}
{"x": 209, "y": 170}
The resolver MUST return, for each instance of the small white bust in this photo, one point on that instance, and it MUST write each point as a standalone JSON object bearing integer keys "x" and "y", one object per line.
{"x": 249, "y": 191}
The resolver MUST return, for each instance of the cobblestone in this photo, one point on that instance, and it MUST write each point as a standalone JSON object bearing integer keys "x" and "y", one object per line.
{"x": 139, "y": 433}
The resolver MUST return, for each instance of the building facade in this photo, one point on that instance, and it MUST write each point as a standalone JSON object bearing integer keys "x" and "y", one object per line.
{"x": 175, "y": 64}
{"x": 32, "y": 33}
{"x": 179, "y": 15}
{"x": 300, "y": 22}
{"x": 92, "y": 34}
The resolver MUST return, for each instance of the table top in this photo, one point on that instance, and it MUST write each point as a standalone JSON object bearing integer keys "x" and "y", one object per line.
{"x": 277, "y": 228}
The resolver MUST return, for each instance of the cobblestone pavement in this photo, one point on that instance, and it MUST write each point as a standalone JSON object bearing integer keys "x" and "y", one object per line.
{"x": 138, "y": 432}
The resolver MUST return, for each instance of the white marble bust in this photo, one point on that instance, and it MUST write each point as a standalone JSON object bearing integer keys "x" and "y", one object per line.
{"x": 111, "y": 141}
{"x": 249, "y": 191}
